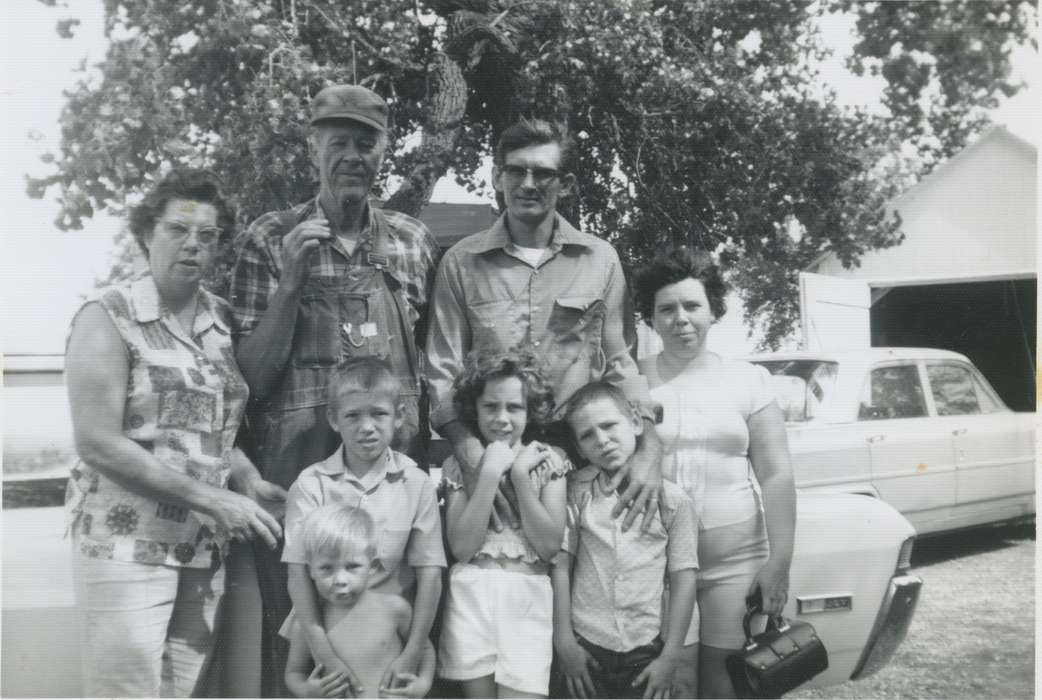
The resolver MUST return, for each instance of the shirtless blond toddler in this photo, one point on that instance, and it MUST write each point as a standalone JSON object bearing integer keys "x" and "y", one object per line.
{"x": 366, "y": 629}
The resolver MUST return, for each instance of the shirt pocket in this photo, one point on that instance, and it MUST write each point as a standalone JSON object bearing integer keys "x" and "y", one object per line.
{"x": 494, "y": 323}
{"x": 576, "y": 325}
{"x": 392, "y": 548}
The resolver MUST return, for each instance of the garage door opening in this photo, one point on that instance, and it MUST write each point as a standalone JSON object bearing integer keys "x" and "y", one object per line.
{"x": 992, "y": 323}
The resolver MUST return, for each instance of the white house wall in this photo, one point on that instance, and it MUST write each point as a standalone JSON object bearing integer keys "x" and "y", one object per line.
{"x": 973, "y": 217}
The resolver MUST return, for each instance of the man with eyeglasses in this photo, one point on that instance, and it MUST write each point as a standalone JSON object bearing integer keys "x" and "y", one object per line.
{"x": 534, "y": 278}
{"x": 329, "y": 279}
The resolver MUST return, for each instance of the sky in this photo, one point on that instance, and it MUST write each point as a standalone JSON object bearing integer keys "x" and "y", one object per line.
{"x": 46, "y": 271}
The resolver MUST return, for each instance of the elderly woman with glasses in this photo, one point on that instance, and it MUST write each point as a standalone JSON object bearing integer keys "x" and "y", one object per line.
{"x": 156, "y": 403}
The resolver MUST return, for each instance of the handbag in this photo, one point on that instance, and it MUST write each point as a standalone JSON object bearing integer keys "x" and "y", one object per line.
{"x": 786, "y": 654}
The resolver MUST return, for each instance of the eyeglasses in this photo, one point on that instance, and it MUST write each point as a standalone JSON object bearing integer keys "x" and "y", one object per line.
{"x": 178, "y": 231}
{"x": 540, "y": 176}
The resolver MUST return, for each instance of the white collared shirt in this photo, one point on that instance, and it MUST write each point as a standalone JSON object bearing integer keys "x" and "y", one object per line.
{"x": 399, "y": 497}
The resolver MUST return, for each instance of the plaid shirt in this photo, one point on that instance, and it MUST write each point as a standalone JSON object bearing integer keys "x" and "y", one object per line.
{"x": 412, "y": 258}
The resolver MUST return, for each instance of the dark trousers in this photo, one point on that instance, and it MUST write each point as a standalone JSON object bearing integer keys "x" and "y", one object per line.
{"x": 618, "y": 670}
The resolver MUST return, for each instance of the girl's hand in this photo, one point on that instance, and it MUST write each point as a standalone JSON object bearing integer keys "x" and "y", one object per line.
{"x": 531, "y": 456}
{"x": 498, "y": 459}
{"x": 576, "y": 663}
{"x": 332, "y": 685}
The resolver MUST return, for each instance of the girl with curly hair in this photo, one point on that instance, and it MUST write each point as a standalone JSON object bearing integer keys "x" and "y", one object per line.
{"x": 498, "y": 625}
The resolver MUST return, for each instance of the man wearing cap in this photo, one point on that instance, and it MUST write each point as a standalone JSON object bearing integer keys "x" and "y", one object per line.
{"x": 314, "y": 285}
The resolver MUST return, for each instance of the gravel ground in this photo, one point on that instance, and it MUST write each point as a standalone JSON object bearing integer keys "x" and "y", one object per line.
{"x": 973, "y": 634}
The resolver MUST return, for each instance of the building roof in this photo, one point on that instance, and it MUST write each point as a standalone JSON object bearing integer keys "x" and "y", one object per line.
{"x": 452, "y": 222}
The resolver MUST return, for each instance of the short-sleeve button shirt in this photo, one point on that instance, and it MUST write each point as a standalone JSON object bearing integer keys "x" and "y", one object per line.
{"x": 619, "y": 576}
{"x": 400, "y": 498}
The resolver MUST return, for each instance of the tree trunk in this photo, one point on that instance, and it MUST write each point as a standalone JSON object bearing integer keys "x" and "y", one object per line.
{"x": 440, "y": 137}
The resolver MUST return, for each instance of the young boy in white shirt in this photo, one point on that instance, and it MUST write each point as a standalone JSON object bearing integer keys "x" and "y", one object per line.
{"x": 609, "y": 635}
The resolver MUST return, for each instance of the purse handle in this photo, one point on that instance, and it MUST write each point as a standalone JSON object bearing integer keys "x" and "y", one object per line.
{"x": 753, "y": 606}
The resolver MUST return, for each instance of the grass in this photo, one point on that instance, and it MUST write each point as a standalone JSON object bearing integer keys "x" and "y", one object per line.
{"x": 973, "y": 634}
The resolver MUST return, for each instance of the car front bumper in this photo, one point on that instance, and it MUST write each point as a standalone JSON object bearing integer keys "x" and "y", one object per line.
{"x": 891, "y": 626}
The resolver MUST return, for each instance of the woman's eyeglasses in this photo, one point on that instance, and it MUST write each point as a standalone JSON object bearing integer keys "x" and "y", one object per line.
{"x": 178, "y": 231}
{"x": 540, "y": 176}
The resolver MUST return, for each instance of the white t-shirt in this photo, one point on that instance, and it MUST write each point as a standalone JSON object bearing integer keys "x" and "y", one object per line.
{"x": 705, "y": 435}
{"x": 532, "y": 256}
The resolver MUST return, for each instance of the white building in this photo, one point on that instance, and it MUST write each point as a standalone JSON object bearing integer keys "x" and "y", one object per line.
{"x": 964, "y": 278}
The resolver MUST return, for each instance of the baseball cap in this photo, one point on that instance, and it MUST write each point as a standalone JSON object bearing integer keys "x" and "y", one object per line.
{"x": 352, "y": 102}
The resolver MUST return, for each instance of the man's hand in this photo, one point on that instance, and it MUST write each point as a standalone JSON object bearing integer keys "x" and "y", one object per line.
{"x": 658, "y": 677}
{"x": 644, "y": 472}
{"x": 331, "y": 685}
{"x": 297, "y": 248}
{"x": 576, "y": 663}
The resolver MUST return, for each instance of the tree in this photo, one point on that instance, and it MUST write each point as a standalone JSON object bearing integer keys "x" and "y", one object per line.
{"x": 695, "y": 122}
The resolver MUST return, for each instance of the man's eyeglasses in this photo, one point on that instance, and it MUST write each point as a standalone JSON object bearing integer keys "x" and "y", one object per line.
{"x": 540, "y": 176}
{"x": 179, "y": 231}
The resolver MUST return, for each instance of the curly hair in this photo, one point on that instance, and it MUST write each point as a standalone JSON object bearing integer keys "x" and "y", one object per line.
{"x": 489, "y": 362}
{"x": 191, "y": 184}
{"x": 676, "y": 265}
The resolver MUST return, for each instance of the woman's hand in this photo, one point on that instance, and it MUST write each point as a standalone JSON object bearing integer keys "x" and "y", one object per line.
{"x": 772, "y": 584}
{"x": 241, "y": 518}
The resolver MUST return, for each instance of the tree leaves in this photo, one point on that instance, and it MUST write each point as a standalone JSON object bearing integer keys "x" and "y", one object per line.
{"x": 695, "y": 122}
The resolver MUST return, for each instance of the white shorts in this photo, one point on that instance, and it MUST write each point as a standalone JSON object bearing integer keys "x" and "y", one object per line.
{"x": 498, "y": 623}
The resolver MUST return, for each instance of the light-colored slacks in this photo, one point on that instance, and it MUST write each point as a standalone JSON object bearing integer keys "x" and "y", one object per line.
{"x": 147, "y": 628}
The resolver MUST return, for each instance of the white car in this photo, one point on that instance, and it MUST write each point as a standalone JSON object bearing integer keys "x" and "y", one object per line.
{"x": 918, "y": 428}
{"x": 849, "y": 579}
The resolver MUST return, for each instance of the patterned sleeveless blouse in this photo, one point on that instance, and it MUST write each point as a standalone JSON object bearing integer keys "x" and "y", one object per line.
{"x": 185, "y": 400}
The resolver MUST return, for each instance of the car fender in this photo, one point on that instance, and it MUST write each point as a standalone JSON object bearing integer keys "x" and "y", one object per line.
{"x": 845, "y": 554}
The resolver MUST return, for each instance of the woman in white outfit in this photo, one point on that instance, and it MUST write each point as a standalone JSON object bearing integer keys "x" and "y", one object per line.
{"x": 721, "y": 428}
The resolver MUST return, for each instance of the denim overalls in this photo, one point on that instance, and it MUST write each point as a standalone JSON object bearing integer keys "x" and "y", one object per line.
{"x": 361, "y": 312}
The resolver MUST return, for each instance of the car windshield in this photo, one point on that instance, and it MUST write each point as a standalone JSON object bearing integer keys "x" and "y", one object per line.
{"x": 801, "y": 386}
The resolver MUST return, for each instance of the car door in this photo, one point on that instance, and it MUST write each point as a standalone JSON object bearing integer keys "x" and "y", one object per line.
{"x": 913, "y": 459}
{"x": 993, "y": 445}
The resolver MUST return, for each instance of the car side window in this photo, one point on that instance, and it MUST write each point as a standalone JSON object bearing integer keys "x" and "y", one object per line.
{"x": 954, "y": 389}
{"x": 893, "y": 392}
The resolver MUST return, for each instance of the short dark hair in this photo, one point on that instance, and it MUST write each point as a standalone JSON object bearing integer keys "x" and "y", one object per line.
{"x": 367, "y": 374}
{"x": 490, "y": 362}
{"x": 595, "y": 391}
{"x": 676, "y": 265}
{"x": 534, "y": 132}
{"x": 190, "y": 184}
